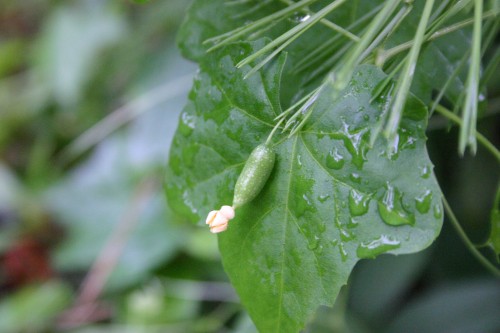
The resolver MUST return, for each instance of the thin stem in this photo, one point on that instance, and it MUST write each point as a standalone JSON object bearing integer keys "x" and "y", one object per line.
{"x": 481, "y": 138}
{"x": 307, "y": 105}
{"x": 406, "y": 77}
{"x": 324, "y": 49}
{"x": 294, "y": 106}
{"x": 387, "y": 54}
{"x": 450, "y": 79}
{"x": 470, "y": 246}
{"x": 327, "y": 23}
{"x": 274, "y": 130}
{"x": 469, "y": 113}
{"x": 293, "y": 33}
{"x": 390, "y": 27}
{"x": 343, "y": 76}
{"x": 235, "y": 34}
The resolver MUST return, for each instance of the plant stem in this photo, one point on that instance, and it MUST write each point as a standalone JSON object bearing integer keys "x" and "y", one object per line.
{"x": 406, "y": 77}
{"x": 481, "y": 138}
{"x": 235, "y": 34}
{"x": 387, "y": 54}
{"x": 327, "y": 23}
{"x": 390, "y": 27}
{"x": 324, "y": 49}
{"x": 461, "y": 233}
{"x": 352, "y": 59}
{"x": 469, "y": 113}
{"x": 286, "y": 38}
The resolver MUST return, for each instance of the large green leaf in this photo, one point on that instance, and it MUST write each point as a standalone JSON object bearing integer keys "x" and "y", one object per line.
{"x": 330, "y": 201}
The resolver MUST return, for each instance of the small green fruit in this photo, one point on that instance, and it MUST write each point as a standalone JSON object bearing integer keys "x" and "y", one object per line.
{"x": 254, "y": 176}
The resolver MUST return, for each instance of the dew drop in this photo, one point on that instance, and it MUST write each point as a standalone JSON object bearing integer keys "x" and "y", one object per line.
{"x": 425, "y": 172}
{"x": 376, "y": 247}
{"x": 423, "y": 202}
{"x": 187, "y": 124}
{"x": 343, "y": 252}
{"x": 299, "y": 17}
{"x": 323, "y": 197}
{"x": 358, "y": 203}
{"x": 303, "y": 205}
{"x": 313, "y": 243}
{"x": 352, "y": 223}
{"x": 355, "y": 177}
{"x": 334, "y": 160}
{"x": 438, "y": 212}
{"x": 355, "y": 143}
{"x": 299, "y": 160}
{"x": 345, "y": 235}
{"x": 391, "y": 209}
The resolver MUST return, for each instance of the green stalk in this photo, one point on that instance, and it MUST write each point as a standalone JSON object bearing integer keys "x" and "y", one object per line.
{"x": 289, "y": 36}
{"x": 469, "y": 113}
{"x": 461, "y": 233}
{"x": 389, "y": 28}
{"x": 387, "y": 54}
{"x": 235, "y": 34}
{"x": 406, "y": 77}
{"x": 352, "y": 59}
{"x": 481, "y": 138}
{"x": 324, "y": 49}
{"x": 327, "y": 23}
{"x": 449, "y": 80}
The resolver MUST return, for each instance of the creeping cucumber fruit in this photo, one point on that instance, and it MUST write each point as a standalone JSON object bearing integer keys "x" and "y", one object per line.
{"x": 254, "y": 176}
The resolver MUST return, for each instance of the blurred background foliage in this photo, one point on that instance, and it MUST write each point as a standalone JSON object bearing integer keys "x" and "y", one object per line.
{"x": 90, "y": 93}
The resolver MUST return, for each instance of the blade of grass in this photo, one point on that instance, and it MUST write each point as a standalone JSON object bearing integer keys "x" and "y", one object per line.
{"x": 450, "y": 79}
{"x": 291, "y": 34}
{"x": 235, "y": 34}
{"x": 387, "y": 54}
{"x": 480, "y": 138}
{"x": 469, "y": 112}
{"x": 389, "y": 28}
{"x": 326, "y": 48}
{"x": 327, "y": 23}
{"x": 461, "y": 233}
{"x": 406, "y": 77}
{"x": 346, "y": 69}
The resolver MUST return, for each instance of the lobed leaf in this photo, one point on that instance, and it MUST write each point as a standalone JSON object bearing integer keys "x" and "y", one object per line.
{"x": 331, "y": 200}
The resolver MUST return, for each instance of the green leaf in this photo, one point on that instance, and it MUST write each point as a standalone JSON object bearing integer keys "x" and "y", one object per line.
{"x": 330, "y": 200}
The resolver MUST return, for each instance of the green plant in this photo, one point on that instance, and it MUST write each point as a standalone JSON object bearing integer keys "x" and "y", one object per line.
{"x": 343, "y": 90}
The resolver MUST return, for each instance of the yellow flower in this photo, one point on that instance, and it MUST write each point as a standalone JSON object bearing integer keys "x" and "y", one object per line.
{"x": 218, "y": 219}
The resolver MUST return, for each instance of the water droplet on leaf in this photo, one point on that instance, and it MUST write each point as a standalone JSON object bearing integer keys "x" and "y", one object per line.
{"x": 343, "y": 252}
{"x": 438, "y": 212}
{"x": 425, "y": 172}
{"x": 423, "y": 202}
{"x": 334, "y": 160}
{"x": 391, "y": 209}
{"x": 358, "y": 203}
{"x": 376, "y": 247}
{"x": 187, "y": 124}
{"x": 355, "y": 177}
